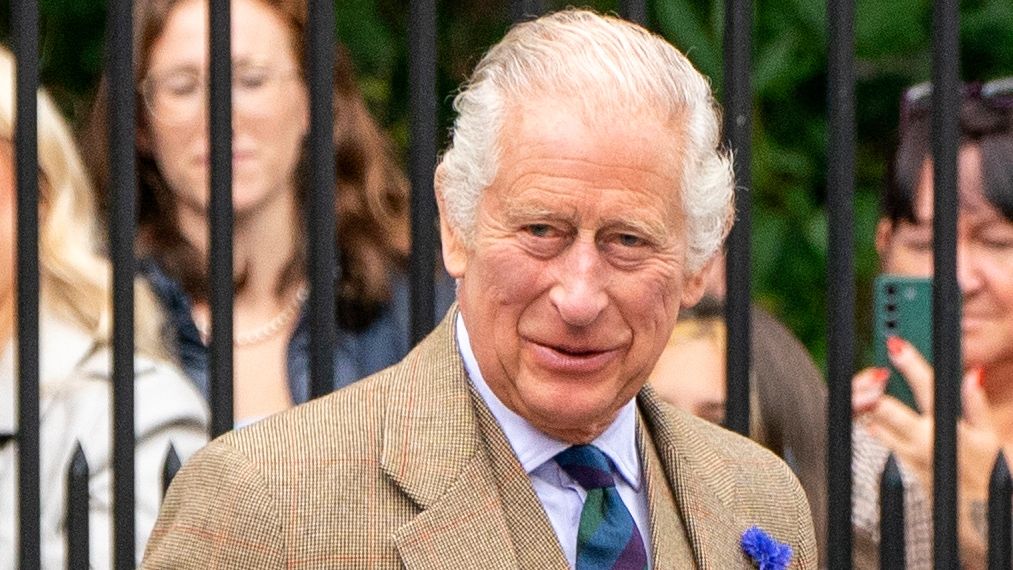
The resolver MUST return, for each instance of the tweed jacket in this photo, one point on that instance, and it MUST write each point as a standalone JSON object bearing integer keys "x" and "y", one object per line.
{"x": 394, "y": 472}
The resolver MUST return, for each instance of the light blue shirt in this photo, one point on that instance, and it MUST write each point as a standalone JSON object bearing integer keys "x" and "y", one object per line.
{"x": 561, "y": 496}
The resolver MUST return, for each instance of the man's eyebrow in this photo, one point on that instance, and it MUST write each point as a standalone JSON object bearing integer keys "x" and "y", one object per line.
{"x": 535, "y": 211}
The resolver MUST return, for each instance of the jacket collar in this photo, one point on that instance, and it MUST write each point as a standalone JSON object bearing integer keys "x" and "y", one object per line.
{"x": 431, "y": 450}
{"x": 430, "y": 428}
{"x": 704, "y": 488}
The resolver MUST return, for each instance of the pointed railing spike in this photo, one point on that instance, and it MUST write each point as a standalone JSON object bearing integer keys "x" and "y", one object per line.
{"x": 891, "y": 516}
{"x": 77, "y": 511}
{"x": 1000, "y": 489}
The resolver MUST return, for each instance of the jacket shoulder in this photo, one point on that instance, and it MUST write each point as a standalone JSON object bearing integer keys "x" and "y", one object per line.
{"x": 745, "y": 479}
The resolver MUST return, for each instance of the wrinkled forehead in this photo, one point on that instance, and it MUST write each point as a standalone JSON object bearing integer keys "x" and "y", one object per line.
{"x": 559, "y": 136}
{"x": 567, "y": 121}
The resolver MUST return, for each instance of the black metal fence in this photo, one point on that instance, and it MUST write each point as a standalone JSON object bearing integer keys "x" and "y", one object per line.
{"x": 423, "y": 152}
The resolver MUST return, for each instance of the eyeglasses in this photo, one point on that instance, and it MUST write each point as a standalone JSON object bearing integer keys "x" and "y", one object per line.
{"x": 179, "y": 96}
{"x": 996, "y": 94}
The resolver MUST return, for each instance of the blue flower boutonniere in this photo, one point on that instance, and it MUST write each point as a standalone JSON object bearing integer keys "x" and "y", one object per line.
{"x": 767, "y": 553}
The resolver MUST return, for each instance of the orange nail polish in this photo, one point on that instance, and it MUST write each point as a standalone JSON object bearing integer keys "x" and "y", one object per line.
{"x": 894, "y": 345}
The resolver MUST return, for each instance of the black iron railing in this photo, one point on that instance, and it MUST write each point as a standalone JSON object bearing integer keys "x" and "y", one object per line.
{"x": 324, "y": 266}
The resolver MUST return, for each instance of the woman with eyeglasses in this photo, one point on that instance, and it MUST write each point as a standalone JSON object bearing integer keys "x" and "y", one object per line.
{"x": 985, "y": 275}
{"x": 270, "y": 123}
{"x": 75, "y": 355}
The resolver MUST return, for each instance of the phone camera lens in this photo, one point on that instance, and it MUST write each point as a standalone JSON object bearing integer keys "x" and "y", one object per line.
{"x": 891, "y": 289}
{"x": 891, "y": 308}
{"x": 891, "y": 324}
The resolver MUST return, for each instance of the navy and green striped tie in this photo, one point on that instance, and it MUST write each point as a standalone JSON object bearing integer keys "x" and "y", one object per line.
{"x": 607, "y": 537}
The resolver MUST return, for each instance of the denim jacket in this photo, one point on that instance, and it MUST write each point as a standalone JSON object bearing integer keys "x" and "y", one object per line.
{"x": 357, "y": 353}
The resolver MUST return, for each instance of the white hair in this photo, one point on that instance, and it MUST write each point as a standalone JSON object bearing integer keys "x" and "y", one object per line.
{"x": 74, "y": 276}
{"x": 607, "y": 63}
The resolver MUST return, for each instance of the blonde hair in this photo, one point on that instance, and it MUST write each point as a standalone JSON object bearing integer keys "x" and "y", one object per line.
{"x": 695, "y": 327}
{"x": 74, "y": 279}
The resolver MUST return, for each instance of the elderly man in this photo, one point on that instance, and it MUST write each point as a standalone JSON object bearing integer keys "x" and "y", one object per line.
{"x": 582, "y": 196}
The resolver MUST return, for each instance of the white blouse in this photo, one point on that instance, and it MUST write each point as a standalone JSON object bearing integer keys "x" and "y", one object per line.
{"x": 75, "y": 406}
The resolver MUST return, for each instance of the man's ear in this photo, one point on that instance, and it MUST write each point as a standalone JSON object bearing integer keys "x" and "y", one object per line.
{"x": 695, "y": 285}
{"x": 455, "y": 253}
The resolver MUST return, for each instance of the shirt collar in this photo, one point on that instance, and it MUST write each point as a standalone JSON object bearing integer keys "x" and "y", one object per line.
{"x": 532, "y": 446}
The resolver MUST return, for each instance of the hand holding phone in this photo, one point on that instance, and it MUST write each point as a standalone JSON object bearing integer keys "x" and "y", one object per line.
{"x": 903, "y": 308}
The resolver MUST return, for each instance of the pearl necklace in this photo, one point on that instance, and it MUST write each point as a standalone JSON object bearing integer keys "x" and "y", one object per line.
{"x": 265, "y": 331}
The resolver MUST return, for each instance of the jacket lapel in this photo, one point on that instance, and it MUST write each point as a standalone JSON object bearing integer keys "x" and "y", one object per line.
{"x": 432, "y": 453}
{"x": 526, "y": 519}
{"x": 465, "y": 528}
{"x": 704, "y": 492}
{"x": 669, "y": 544}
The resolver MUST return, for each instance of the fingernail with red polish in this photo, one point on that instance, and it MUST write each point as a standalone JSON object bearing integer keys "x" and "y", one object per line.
{"x": 881, "y": 374}
{"x": 894, "y": 345}
{"x": 979, "y": 376}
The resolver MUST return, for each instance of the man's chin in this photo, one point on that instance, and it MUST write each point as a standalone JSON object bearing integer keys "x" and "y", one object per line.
{"x": 573, "y": 421}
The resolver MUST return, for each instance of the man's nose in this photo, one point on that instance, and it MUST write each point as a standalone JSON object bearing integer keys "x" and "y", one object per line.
{"x": 579, "y": 292}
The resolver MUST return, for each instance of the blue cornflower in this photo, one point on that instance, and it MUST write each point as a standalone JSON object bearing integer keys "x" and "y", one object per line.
{"x": 767, "y": 553}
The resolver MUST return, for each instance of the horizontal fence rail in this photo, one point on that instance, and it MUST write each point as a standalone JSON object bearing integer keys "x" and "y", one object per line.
{"x": 324, "y": 263}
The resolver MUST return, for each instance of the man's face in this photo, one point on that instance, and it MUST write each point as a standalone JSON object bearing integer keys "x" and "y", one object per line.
{"x": 577, "y": 269}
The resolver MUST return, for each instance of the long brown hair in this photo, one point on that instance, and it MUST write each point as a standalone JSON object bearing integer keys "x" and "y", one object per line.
{"x": 372, "y": 192}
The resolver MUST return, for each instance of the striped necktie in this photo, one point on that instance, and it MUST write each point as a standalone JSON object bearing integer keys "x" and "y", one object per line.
{"x": 607, "y": 537}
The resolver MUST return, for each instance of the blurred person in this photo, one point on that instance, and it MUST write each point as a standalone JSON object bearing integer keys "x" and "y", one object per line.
{"x": 690, "y": 373}
{"x": 985, "y": 275}
{"x": 270, "y": 124}
{"x": 788, "y": 396}
{"x": 583, "y": 193}
{"x": 75, "y": 356}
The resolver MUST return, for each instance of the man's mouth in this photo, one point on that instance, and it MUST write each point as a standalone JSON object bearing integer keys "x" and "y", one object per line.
{"x": 572, "y": 359}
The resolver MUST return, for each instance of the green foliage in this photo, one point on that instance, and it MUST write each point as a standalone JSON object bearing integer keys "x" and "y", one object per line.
{"x": 789, "y": 80}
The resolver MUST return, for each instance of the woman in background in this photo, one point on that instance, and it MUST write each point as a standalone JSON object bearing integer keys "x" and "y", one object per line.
{"x": 270, "y": 123}
{"x": 75, "y": 382}
{"x": 787, "y": 394}
{"x": 985, "y": 275}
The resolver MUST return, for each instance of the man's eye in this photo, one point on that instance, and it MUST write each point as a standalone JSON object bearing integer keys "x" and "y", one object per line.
{"x": 539, "y": 230}
{"x": 630, "y": 240}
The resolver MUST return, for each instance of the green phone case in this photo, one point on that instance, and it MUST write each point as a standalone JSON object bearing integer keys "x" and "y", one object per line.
{"x": 903, "y": 307}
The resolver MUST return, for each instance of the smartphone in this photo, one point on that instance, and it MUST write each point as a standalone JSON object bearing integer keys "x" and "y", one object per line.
{"x": 903, "y": 307}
